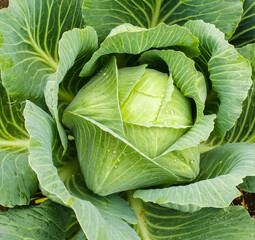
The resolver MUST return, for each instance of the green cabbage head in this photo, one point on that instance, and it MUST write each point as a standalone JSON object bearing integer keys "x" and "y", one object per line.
{"x": 139, "y": 120}
{"x": 155, "y": 113}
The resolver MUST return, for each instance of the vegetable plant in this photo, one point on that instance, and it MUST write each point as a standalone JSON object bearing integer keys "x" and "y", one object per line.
{"x": 126, "y": 119}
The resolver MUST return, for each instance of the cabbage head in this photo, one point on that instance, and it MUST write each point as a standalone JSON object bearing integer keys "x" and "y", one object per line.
{"x": 139, "y": 120}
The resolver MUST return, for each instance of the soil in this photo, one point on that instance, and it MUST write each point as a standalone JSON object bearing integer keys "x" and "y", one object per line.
{"x": 3, "y": 209}
{"x": 247, "y": 200}
{"x": 4, "y": 3}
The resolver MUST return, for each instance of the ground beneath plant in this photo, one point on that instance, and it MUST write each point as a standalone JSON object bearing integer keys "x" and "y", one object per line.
{"x": 247, "y": 200}
{"x": 4, "y": 3}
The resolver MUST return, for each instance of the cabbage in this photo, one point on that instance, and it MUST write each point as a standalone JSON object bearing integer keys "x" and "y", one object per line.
{"x": 126, "y": 119}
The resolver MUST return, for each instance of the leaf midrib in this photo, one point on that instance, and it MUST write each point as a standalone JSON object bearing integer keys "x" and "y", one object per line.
{"x": 46, "y": 58}
{"x": 15, "y": 143}
{"x": 136, "y": 205}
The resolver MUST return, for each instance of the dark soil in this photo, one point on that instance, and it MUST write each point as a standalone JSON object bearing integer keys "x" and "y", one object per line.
{"x": 247, "y": 200}
{"x": 4, "y": 3}
{"x": 3, "y": 209}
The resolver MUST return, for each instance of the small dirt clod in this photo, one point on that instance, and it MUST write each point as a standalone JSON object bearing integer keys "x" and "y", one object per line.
{"x": 247, "y": 200}
{"x": 4, "y": 3}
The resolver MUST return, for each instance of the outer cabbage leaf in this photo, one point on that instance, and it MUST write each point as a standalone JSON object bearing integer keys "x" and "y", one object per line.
{"x": 129, "y": 39}
{"x": 46, "y": 221}
{"x": 107, "y": 14}
{"x": 229, "y": 73}
{"x": 245, "y": 32}
{"x": 75, "y": 48}
{"x": 156, "y": 222}
{"x": 100, "y": 218}
{"x": 248, "y": 184}
{"x": 81, "y": 236}
{"x": 243, "y": 130}
{"x": 93, "y": 102}
{"x": 29, "y": 35}
{"x": 221, "y": 170}
{"x": 18, "y": 182}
